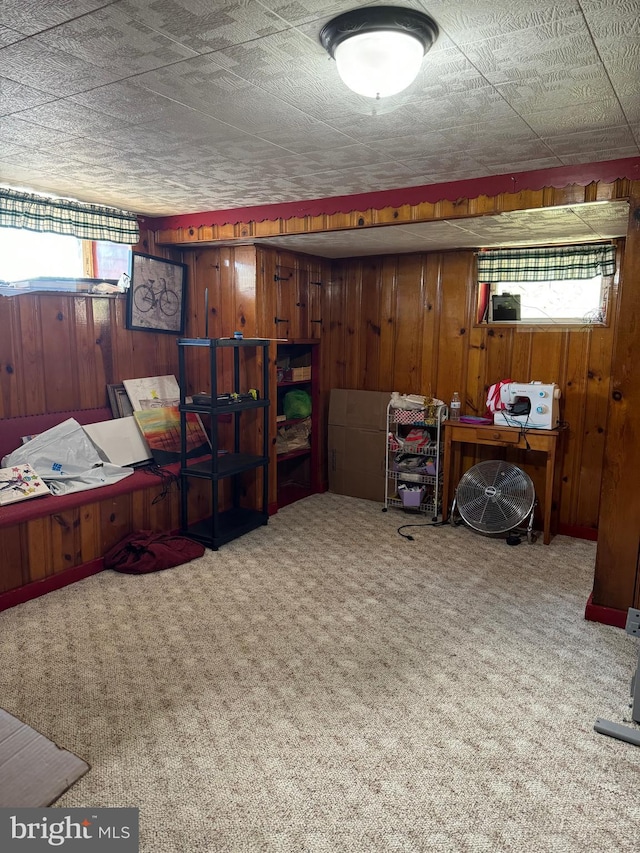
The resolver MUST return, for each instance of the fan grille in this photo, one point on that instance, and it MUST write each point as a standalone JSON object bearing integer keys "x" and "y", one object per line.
{"x": 494, "y": 496}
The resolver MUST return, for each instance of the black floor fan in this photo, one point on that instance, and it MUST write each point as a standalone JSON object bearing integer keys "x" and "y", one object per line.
{"x": 496, "y": 497}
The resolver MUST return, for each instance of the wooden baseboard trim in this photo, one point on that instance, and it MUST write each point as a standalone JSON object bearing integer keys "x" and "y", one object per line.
{"x": 578, "y": 532}
{"x": 34, "y": 590}
{"x": 604, "y": 615}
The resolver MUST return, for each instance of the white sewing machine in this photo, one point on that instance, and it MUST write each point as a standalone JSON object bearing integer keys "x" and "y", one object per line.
{"x": 532, "y": 405}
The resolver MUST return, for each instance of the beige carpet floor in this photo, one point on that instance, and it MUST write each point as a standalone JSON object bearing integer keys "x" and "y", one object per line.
{"x": 322, "y": 684}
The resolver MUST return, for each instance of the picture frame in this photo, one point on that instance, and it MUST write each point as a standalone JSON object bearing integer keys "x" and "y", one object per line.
{"x": 156, "y": 299}
{"x": 119, "y": 401}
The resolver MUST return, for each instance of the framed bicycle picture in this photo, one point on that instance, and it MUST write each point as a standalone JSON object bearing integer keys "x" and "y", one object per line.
{"x": 156, "y": 296}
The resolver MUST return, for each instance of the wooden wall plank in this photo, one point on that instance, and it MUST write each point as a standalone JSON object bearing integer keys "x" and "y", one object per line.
{"x": 596, "y": 407}
{"x": 573, "y": 385}
{"x": 116, "y": 520}
{"x": 409, "y": 313}
{"x": 10, "y": 383}
{"x": 102, "y": 310}
{"x": 389, "y": 324}
{"x": 431, "y": 323}
{"x": 90, "y": 388}
{"x": 59, "y": 369}
{"x": 65, "y": 540}
{"x": 15, "y": 558}
{"x": 39, "y": 541}
{"x": 352, "y": 308}
{"x": 335, "y": 344}
{"x": 245, "y": 291}
{"x": 453, "y": 336}
{"x": 29, "y": 354}
{"x": 90, "y": 534}
{"x": 371, "y": 322}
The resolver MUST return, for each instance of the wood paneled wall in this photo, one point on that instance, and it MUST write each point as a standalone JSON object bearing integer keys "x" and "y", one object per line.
{"x": 260, "y": 292}
{"x": 59, "y": 351}
{"x": 407, "y": 323}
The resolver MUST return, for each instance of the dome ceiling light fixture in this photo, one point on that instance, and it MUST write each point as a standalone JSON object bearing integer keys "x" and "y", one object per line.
{"x": 379, "y": 49}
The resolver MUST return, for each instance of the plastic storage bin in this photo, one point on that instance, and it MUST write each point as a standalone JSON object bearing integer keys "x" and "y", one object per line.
{"x": 411, "y": 497}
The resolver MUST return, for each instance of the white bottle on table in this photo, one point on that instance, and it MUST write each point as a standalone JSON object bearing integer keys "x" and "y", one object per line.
{"x": 454, "y": 407}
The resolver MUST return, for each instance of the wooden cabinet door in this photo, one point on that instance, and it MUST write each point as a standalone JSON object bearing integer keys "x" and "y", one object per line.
{"x": 286, "y": 297}
{"x": 314, "y": 301}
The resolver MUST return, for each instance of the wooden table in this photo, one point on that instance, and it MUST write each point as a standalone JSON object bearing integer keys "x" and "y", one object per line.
{"x": 537, "y": 440}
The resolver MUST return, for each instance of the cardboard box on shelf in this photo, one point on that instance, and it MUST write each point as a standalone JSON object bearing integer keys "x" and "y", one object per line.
{"x": 297, "y": 374}
{"x": 357, "y": 443}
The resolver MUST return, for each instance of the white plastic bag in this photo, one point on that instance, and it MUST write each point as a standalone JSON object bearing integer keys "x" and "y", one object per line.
{"x": 66, "y": 460}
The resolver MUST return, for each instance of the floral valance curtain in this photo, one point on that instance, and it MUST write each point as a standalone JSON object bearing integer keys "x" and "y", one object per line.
{"x": 64, "y": 216}
{"x": 547, "y": 264}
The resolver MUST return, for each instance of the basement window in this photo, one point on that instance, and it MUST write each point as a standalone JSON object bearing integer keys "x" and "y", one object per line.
{"x": 568, "y": 301}
{"x": 564, "y": 285}
{"x": 33, "y": 261}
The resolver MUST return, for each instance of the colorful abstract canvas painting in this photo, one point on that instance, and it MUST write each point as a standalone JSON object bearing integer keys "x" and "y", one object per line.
{"x": 161, "y": 429}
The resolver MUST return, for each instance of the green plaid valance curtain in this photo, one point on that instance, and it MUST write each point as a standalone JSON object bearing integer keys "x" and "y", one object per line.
{"x": 63, "y": 216}
{"x": 561, "y": 262}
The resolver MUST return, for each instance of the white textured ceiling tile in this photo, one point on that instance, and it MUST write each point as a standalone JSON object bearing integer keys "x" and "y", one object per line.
{"x": 29, "y": 178}
{"x": 8, "y": 36}
{"x": 491, "y": 165}
{"x": 588, "y": 116}
{"x": 203, "y": 85}
{"x": 346, "y": 182}
{"x": 457, "y": 110}
{"x": 71, "y": 118}
{"x": 40, "y": 161}
{"x": 88, "y": 151}
{"x": 299, "y": 12}
{"x": 446, "y": 161}
{"x": 473, "y": 20}
{"x": 12, "y": 151}
{"x": 622, "y": 62}
{"x": 591, "y": 140}
{"x": 537, "y": 92}
{"x": 410, "y": 146}
{"x": 510, "y": 134}
{"x": 32, "y": 63}
{"x": 250, "y": 150}
{"x": 125, "y": 100}
{"x": 303, "y": 140}
{"x": 112, "y": 39}
{"x": 598, "y": 154}
{"x": 15, "y": 97}
{"x": 613, "y": 18}
{"x": 193, "y": 125}
{"x": 144, "y": 140}
{"x": 203, "y": 25}
{"x": 14, "y": 129}
{"x": 630, "y": 104}
{"x": 290, "y": 68}
{"x": 32, "y": 16}
{"x": 279, "y": 55}
{"x": 531, "y": 52}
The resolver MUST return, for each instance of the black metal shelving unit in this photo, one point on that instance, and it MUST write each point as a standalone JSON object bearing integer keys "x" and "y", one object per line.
{"x": 234, "y": 519}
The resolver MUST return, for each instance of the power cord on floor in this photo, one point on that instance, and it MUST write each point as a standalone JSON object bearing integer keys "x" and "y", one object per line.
{"x": 411, "y": 538}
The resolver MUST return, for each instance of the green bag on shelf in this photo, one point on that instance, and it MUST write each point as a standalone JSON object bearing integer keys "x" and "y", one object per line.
{"x": 296, "y": 404}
